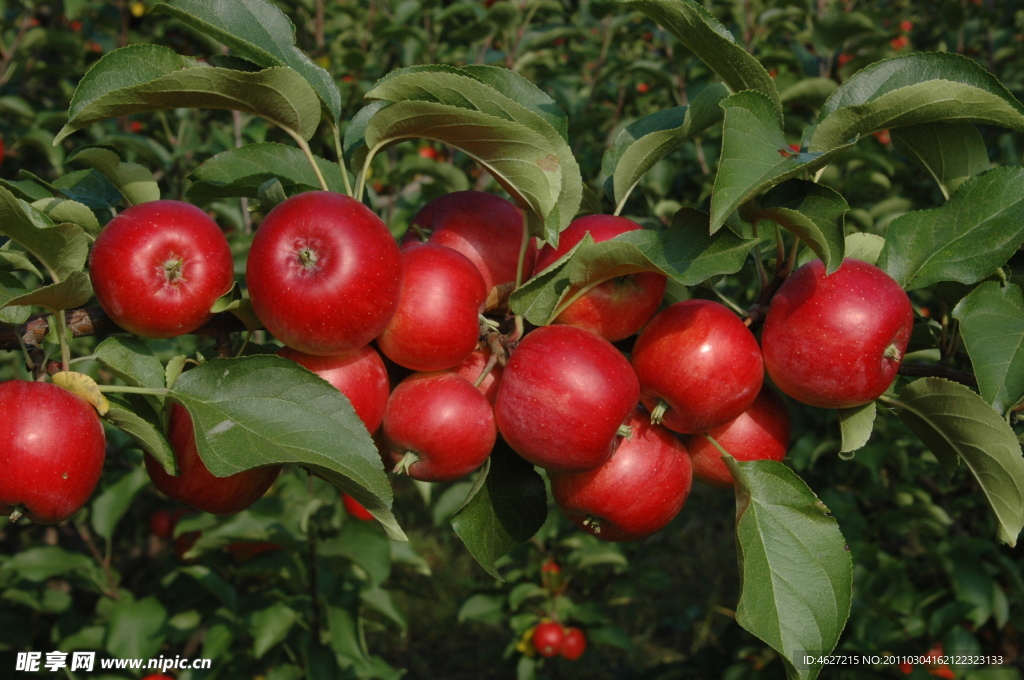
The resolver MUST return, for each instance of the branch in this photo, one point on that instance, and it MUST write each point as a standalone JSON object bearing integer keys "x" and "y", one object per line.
{"x": 938, "y": 371}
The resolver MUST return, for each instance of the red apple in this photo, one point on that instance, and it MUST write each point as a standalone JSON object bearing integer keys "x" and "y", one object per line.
{"x": 360, "y": 375}
{"x": 637, "y": 492}
{"x": 323, "y": 273}
{"x": 52, "y": 448}
{"x": 162, "y": 522}
{"x": 195, "y": 485}
{"x": 485, "y": 228}
{"x": 473, "y": 365}
{"x": 158, "y": 267}
{"x": 356, "y": 509}
{"x": 836, "y": 341}
{"x": 437, "y": 322}
{"x": 574, "y": 644}
{"x": 547, "y": 638}
{"x": 614, "y": 309}
{"x": 438, "y": 427}
{"x": 759, "y": 433}
{"x": 243, "y": 551}
{"x": 562, "y": 398}
{"x": 698, "y": 365}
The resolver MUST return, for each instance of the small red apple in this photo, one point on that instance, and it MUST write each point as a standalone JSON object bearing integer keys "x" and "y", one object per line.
{"x": 356, "y": 509}
{"x": 158, "y": 267}
{"x": 574, "y": 644}
{"x": 547, "y": 638}
{"x": 162, "y": 522}
{"x": 836, "y": 341}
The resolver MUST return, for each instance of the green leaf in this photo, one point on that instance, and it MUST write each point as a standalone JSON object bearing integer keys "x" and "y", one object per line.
{"x": 141, "y": 78}
{"x": 265, "y": 409}
{"x": 755, "y": 155}
{"x": 259, "y": 32}
{"x": 856, "y": 424}
{"x": 954, "y": 421}
{"x": 73, "y": 291}
{"x": 519, "y": 89}
{"x": 240, "y": 172}
{"x": 992, "y": 324}
{"x": 813, "y": 212}
{"x": 136, "y": 628}
{"x": 113, "y": 502}
{"x": 90, "y": 188}
{"x": 61, "y": 210}
{"x": 912, "y": 90}
{"x": 270, "y": 626}
{"x": 640, "y": 145}
{"x": 380, "y": 600}
{"x": 713, "y": 44}
{"x": 796, "y": 571}
{"x": 135, "y": 417}
{"x": 506, "y": 507}
{"x": 537, "y": 299}
{"x": 353, "y": 144}
{"x": 61, "y": 248}
{"x": 809, "y": 91}
{"x": 950, "y": 152}
{"x": 131, "y": 360}
{"x": 483, "y": 607}
{"x": 135, "y": 182}
{"x": 364, "y": 544}
{"x": 965, "y": 240}
{"x": 40, "y": 564}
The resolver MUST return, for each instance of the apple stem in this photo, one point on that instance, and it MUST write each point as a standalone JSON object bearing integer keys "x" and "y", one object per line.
{"x": 16, "y": 514}
{"x": 408, "y": 460}
{"x": 65, "y": 349}
{"x": 658, "y": 413}
{"x": 892, "y": 352}
{"x": 625, "y": 431}
{"x": 491, "y": 362}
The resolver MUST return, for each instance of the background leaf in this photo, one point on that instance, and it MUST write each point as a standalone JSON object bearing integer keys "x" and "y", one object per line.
{"x": 240, "y": 172}
{"x": 992, "y": 324}
{"x": 950, "y": 152}
{"x": 61, "y": 248}
{"x": 135, "y": 182}
{"x": 856, "y": 424}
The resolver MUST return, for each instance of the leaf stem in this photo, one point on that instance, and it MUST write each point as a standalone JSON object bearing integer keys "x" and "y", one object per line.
{"x": 524, "y": 245}
{"x": 131, "y": 389}
{"x": 341, "y": 158}
{"x": 62, "y": 331}
{"x": 361, "y": 180}
{"x": 309, "y": 157}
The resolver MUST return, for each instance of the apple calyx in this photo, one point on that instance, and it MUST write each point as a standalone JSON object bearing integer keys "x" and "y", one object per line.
{"x": 892, "y": 353}
{"x": 307, "y": 258}
{"x": 16, "y": 513}
{"x": 625, "y": 431}
{"x": 173, "y": 270}
{"x": 408, "y": 460}
{"x": 593, "y": 524}
{"x": 658, "y": 413}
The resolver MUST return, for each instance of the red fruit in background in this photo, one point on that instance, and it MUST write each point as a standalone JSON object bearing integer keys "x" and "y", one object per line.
{"x": 195, "y": 485}
{"x": 642, "y": 88}
{"x": 485, "y": 228}
{"x": 323, "y": 273}
{"x": 883, "y": 137}
{"x": 158, "y": 267}
{"x": 614, "y": 309}
{"x": 697, "y": 358}
{"x": 355, "y": 508}
{"x": 547, "y": 639}
{"x": 574, "y": 644}
{"x": 562, "y": 398}
{"x": 1, "y": 149}
{"x": 906, "y": 26}
{"x": 473, "y": 365}
{"x": 550, "y": 567}
{"x": 246, "y": 550}
{"x": 836, "y": 341}
{"x": 899, "y": 43}
{"x": 158, "y": 676}
{"x": 759, "y": 433}
{"x": 360, "y": 375}
{"x": 437, "y": 322}
{"x": 52, "y": 449}
{"x": 162, "y": 522}
{"x": 845, "y": 58}
{"x": 438, "y": 427}
{"x": 428, "y": 152}
{"x": 637, "y": 492}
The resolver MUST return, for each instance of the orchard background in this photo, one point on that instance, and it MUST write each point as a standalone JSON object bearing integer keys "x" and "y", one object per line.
{"x": 297, "y": 587}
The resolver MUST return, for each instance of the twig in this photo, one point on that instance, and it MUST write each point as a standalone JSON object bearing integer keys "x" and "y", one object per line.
{"x": 938, "y": 371}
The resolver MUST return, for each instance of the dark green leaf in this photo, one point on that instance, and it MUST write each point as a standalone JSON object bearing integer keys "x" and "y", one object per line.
{"x": 240, "y": 172}
{"x": 796, "y": 570}
{"x": 506, "y": 507}
{"x": 950, "y": 152}
{"x": 131, "y": 360}
{"x": 537, "y": 299}
{"x": 90, "y": 188}
{"x": 965, "y": 240}
{"x": 353, "y": 145}
{"x": 992, "y": 324}
{"x": 73, "y": 291}
{"x": 481, "y": 607}
{"x": 42, "y": 563}
{"x": 809, "y": 91}
{"x": 856, "y": 424}
{"x": 363, "y": 544}
{"x": 135, "y": 629}
{"x": 135, "y": 182}
{"x": 813, "y": 212}
{"x": 380, "y": 600}
{"x": 134, "y": 416}
{"x": 61, "y": 248}
{"x": 109, "y": 506}
{"x": 270, "y": 626}
{"x": 61, "y": 210}
{"x": 519, "y": 89}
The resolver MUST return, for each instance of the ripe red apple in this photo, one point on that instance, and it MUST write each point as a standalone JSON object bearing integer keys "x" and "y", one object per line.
{"x": 637, "y": 492}
{"x": 473, "y": 365}
{"x": 485, "y": 228}
{"x": 614, "y": 309}
{"x": 195, "y": 485}
{"x": 574, "y": 644}
{"x": 52, "y": 448}
{"x": 158, "y": 267}
{"x": 356, "y": 509}
{"x": 437, "y": 322}
{"x": 836, "y": 341}
{"x": 547, "y": 638}
{"x": 438, "y": 427}
{"x": 564, "y": 393}
{"x": 323, "y": 273}
{"x": 759, "y": 433}
{"x": 360, "y": 375}
{"x": 698, "y": 365}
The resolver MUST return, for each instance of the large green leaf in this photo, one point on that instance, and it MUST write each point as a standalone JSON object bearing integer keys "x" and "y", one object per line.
{"x": 992, "y": 324}
{"x": 61, "y": 248}
{"x": 141, "y": 78}
{"x": 521, "y": 90}
{"x": 965, "y": 240}
{"x": 811, "y": 211}
{"x": 265, "y": 409}
{"x": 90, "y": 188}
{"x": 240, "y": 172}
{"x": 131, "y": 360}
{"x": 61, "y": 210}
{"x": 506, "y": 507}
{"x": 955, "y": 422}
{"x": 950, "y": 152}
{"x": 797, "y": 573}
{"x": 712, "y": 43}
{"x": 135, "y": 416}
{"x": 73, "y": 291}
{"x": 537, "y": 299}
{"x": 135, "y": 182}
{"x": 912, "y": 90}
{"x": 260, "y": 32}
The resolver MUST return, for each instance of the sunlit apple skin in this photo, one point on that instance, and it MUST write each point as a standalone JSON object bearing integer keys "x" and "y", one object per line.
{"x": 444, "y": 420}
{"x": 641, "y": 488}
{"x": 699, "y": 358}
{"x": 360, "y": 375}
{"x": 485, "y": 228}
{"x": 614, "y": 309}
{"x": 324, "y": 273}
{"x": 759, "y": 433}
{"x": 473, "y": 365}
{"x": 195, "y": 485}
{"x": 836, "y": 341}
{"x": 564, "y": 393}
{"x": 437, "y": 322}
{"x": 158, "y": 267}
{"x": 52, "y": 449}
